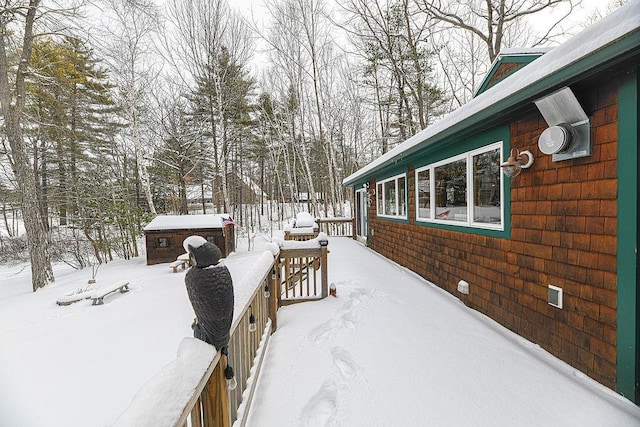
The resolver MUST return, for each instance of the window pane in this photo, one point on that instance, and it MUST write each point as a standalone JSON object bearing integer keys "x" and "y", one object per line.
{"x": 451, "y": 191}
{"x": 424, "y": 194}
{"x": 390, "y": 207}
{"x": 402, "y": 196}
{"x": 380, "y": 200}
{"x": 486, "y": 188}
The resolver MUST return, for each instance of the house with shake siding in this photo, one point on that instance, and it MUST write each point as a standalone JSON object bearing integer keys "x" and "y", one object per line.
{"x": 524, "y": 202}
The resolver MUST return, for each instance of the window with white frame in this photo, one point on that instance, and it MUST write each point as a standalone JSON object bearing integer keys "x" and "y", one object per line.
{"x": 391, "y": 194}
{"x": 462, "y": 190}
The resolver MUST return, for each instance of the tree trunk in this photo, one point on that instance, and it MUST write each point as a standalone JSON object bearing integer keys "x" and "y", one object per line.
{"x": 37, "y": 240}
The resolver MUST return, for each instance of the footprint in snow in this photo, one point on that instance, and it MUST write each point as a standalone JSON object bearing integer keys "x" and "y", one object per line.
{"x": 348, "y": 321}
{"x": 343, "y": 361}
{"x": 321, "y": 408}
{"x": 357, "y": 296}
{"x": 322, "y": 332}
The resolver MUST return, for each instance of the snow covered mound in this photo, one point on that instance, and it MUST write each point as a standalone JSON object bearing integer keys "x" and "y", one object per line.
{"x": 304, "y": 219}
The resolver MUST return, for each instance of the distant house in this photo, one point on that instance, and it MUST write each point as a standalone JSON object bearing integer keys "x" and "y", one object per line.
{"x": 551, "y": 252}
{"x": 165, "y": 233}
{"x": 241, "y": 190}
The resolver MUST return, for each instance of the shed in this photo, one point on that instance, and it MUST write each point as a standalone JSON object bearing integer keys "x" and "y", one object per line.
{"x": 551, "y": 252}
{"x": 165, "y": 233}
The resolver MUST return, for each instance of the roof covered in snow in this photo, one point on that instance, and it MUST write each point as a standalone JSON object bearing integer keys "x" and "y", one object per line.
{"x": 186, "y": 222}
{"x": 609, "y": 40}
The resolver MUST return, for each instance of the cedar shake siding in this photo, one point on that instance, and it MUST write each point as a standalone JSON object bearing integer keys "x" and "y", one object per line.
{"x": 572, "y": 224}
{"x": 563, "y": 223}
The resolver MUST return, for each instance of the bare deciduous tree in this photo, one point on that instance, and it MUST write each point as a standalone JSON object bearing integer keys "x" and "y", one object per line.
{"x": 492, "y": 21}
{"x": 130, "y": 52}
{"x": 470, "y": 34}
{"x": 206, "y": 32}
{"x": 393, "y": 37}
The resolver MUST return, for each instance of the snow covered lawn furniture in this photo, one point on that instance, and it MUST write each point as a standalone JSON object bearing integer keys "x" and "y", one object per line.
{"x": 69, "y": 299}
{"x": 178, "y": 263}
{"x": 99, "y": 294}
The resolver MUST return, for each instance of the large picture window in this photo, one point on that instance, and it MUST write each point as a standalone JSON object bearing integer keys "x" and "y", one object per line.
{"x": 392, "y": 197}
{"x": 462, "y": 190}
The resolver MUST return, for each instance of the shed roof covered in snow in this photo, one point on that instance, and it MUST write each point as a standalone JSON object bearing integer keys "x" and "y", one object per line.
{"x": 187, "y": 222}
{"x": 610, "y": 41}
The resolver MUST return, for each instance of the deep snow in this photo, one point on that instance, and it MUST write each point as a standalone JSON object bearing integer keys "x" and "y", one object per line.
{"x": 394, "y": 350}
{"x": 390, "y": 350}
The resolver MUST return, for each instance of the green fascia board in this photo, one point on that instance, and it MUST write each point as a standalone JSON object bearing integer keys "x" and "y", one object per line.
{"x": 628, "y": 294}
{"x": 453, "y": 147}
{"x": 599, "y": 60}
{"x": 393, "y": 170}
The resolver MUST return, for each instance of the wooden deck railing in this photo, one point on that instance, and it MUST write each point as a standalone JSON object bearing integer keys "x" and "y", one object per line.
{"x": 298, "y": 273}
{"x": 210, "y": 402}
{"x": 301, "y": 271}
{"x": 337, "y": 227}
{"x": 341, "y": 227}
{"x": 217, "y": 405}
{"x": 301, "y": 234}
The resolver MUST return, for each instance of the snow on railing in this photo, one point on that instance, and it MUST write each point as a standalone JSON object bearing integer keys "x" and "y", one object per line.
{"x": 302, "y": 270}
{"x": 342, "y": 227}
{"x": 192, "y": 389}
{"x": 336, "y": 227}
{"x": 152, "y": 405}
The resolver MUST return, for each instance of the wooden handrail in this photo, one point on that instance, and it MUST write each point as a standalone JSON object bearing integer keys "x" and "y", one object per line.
{"x": 302, "y": 272}
{"x": 212, "y": 404}
{"x": 198, "y": 391}
{"x": 342, "y": 227}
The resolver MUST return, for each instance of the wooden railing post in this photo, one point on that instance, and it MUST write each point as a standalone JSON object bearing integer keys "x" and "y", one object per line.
{"x": 353, "y": 229}
{"x": 215, "y": 400}
{"x": 323, "y": 267}
{"x": 274, "y": 291}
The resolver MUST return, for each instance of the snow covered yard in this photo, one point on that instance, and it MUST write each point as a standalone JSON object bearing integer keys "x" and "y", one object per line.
{"x": 394, "y": 350}
{"x": 390, "y": 350}
{"x": 80, "y": 365}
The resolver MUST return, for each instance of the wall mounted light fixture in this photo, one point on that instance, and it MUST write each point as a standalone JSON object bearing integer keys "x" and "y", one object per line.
{"x": 569, "y": 133}
{"x": 516, "y": 162}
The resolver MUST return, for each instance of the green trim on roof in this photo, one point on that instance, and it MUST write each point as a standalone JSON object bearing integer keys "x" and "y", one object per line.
{"x": 598, "y": 61}
{"x": 393, "y": 170}
{"x": 506, "y": 59}
{"x": 628, "y": 327}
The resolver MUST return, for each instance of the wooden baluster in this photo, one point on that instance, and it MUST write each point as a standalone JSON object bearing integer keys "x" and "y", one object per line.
{"x": 273, "y": 302}
{"x": 323, "y": 268}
